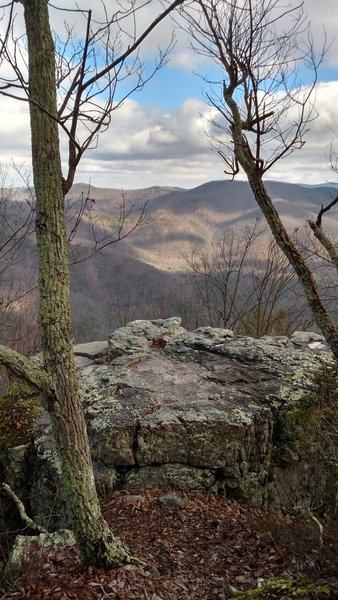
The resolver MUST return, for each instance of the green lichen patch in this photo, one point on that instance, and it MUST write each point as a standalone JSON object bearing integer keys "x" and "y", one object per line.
{"x": 310, "y": 413}
{"x": 19, "y": 409}
{"x": 287, "y": 589}
{"x": 24, "y": 547}
{"x": 306, "y": 444}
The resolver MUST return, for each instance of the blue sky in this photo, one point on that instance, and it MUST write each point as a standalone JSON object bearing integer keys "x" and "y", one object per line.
{"x": 157, "y": 136}
{"x": 171, "y": 86}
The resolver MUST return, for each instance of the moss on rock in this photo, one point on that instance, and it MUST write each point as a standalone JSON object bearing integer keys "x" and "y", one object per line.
{"x": 19, "y": 409}
{"x": 310, "y": 411}
{"x": 287, "y": 589}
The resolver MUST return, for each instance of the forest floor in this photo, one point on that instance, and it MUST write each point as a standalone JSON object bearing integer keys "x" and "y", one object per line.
{"x": 205, "y": 549}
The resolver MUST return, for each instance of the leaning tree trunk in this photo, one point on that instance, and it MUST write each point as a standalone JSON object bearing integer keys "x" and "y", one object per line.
{"x": 305, "y": 277}
{"x": 97, "y": 544}
{"x": 248, "y": 163}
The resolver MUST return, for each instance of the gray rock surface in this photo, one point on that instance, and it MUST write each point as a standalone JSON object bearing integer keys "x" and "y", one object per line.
{"x": 166, "y": 407}
{"x": 171, "y": 499}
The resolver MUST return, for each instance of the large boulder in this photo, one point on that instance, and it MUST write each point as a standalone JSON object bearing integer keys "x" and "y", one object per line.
{"x": 199, "y": 410}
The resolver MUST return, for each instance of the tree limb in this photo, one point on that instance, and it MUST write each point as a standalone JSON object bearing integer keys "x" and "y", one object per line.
{"x": 25, "y": 370}
{"x": 132, "y": 47}
{"x": 321, "y": 236}
{"x": 323, "y": 210}
{"x": 22, "y": 511}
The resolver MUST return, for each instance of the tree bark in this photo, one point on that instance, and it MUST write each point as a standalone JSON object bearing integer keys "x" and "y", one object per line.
{"x": 25, "y": 370}
{"x": 325, "y": 241}
{"x": 305, "y": 276}
{"x": 97, "y": 544}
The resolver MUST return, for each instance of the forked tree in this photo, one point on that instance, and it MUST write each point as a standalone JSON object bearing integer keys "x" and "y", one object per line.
{"x": 70, "y": 88}
{"x": 262, "y": 112}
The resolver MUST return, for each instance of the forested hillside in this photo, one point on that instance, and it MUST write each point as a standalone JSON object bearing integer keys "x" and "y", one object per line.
{"x": 157, "y": 269}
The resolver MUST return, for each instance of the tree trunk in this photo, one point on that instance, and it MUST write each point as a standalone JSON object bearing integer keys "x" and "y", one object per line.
{"x": 251, "y": 168}
{"x": 305, "y": 277}
{"x": 97, "y": 544}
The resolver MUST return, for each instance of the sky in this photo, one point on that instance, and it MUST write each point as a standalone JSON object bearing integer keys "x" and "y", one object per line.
{"x": 157, "y": 136}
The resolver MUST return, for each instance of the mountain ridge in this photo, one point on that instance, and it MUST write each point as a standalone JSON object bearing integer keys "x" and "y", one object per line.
{"x": 147, "y": 264}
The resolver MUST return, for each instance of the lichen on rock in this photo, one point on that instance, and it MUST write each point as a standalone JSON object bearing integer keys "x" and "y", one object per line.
{"x": 279, "y": 588}
{"x": 202, "y": 410}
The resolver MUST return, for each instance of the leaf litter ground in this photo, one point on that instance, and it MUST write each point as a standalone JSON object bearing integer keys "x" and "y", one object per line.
{"x": 203, "y": 550}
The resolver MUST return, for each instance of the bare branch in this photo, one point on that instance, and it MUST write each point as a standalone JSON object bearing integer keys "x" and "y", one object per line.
{"x": 134, "y": 46}
{"x": 321, "y": 236}
{"x": 243, "y": 282}
{"x": 127, "y": 218}
{"x": 22, "y": 511}
{"x": 86, "y": 90}
{"x": 323, "y": 210}
{"x": 260, "y": 63}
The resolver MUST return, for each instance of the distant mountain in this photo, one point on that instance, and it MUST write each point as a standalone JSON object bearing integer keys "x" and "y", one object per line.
{"x": 186, "y": 218}
{"x": 329, "y": 184}
{"x": 143, "y": 269}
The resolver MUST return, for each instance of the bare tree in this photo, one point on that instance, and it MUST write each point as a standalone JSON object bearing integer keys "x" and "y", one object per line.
{"x": 101, "y": 231}
{"x": 16, "y": 234}
{"x": 218, "y": 272}
{"x": 262, "y": 113}
{"x": 73, "y": 94}
{"x": 244, "y": 282}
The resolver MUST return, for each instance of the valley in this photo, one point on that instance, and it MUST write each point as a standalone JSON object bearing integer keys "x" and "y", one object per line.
{"x": 145, "y": 274}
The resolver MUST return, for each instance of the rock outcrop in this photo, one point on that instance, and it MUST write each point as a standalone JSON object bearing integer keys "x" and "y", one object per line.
{"x": 201, "y": 410}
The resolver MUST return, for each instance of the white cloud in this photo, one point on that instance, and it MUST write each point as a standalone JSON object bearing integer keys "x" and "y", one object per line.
{"x": 14, "y": 130}
{"x": 311, "y": 163}
{"x": 146, "y": 173}
{"x": 323, "y": 19}
{"x": 147, "y": 146}
{"x": 324, "y": 16}
{"x": 140, "y": 132}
